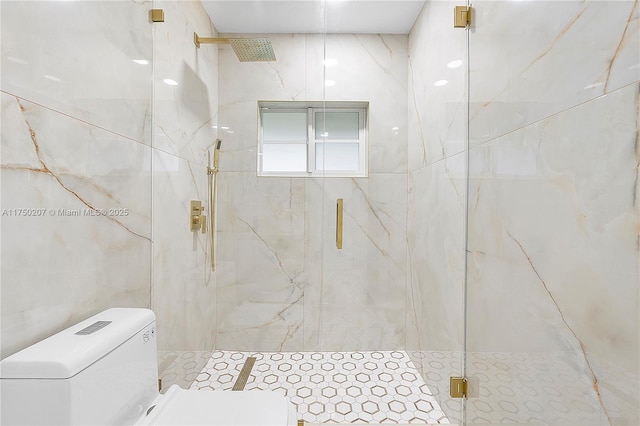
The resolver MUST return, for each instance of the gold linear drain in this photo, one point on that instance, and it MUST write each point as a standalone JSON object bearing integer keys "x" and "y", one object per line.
{"x": 243, "y": 377}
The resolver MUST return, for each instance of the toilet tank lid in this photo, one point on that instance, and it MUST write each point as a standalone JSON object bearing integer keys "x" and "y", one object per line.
{"x": 70, "y": 351}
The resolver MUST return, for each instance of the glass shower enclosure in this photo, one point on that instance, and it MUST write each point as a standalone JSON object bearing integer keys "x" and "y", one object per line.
{"x": 493, "y": 238}
{"x": 552, "y": 255}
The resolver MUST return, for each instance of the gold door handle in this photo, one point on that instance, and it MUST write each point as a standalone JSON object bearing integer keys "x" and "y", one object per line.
{"x": 339, "y": 212}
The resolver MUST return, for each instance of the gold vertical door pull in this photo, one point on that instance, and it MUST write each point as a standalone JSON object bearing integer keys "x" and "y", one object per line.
{"x": 339, "y": 212}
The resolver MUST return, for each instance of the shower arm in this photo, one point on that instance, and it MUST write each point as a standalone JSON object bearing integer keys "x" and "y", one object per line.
{"x": 209, "y": 40}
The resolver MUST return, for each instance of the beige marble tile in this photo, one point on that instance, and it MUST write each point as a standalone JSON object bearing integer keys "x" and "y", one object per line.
{"x": 75, "y": 208}
{"x": 280, "y": 281}
{"x": 83, "y": 68}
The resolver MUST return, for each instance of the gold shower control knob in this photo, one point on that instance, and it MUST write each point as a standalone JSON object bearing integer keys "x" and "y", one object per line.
{"x": 196, "y": 217}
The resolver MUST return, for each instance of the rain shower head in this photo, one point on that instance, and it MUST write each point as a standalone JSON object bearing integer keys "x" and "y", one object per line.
{"x": 247, "y": 49}
{"x": 253, "y": 49}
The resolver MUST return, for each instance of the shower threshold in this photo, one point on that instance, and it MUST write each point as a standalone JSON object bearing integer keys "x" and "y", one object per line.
{"x": 378, "y": 387}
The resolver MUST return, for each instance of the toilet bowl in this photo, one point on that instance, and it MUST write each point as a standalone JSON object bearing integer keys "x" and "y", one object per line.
{"x": 104, "y": 371}
{"x": 188, "y": 407}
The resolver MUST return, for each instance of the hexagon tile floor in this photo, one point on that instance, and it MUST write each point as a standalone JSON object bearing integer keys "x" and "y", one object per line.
{"x": 333, "y": 387}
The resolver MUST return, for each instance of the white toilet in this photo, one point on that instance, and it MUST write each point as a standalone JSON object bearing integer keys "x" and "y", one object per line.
{"x": 103, "y": 371}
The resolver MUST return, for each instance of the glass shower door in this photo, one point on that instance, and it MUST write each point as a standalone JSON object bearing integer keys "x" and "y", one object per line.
{"x": 397, "y": 282}
{"x": 436, "y": 199}
{"x": 183, "y": 133}
{"x": 552, "y": 261}
{"x": 362, "y": 291}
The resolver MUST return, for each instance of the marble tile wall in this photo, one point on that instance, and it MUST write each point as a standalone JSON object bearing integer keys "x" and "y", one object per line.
{"x": 553, "y": 213}
{"x": 85, "y": 131}
{"x": 282, "y": 285}
{"x": 76, "y": 156}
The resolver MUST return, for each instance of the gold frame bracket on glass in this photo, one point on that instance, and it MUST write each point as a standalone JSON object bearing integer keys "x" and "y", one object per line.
{"x": 458, "y": 387}
{"x": 462, "y": 16}
{"x": 157, "y": 15}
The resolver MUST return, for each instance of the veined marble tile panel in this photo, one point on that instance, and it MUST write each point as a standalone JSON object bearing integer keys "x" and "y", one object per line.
{"x": 531, "y": 388}
{"x": 436, "y": 255}
{"x": 274, "y": 206}
{"x": 112, "y": 170}
{"x": 560, "y": 54}
{"x": 260, "y": 299}
{"x": 89, "y": 191}
{"x": 358, "y": 301}
{"x": 185, "y": 114}
{"x": 70, "y": 57}
{"x": 263, "y": 313}
{"x": 572, "y": 178}
{"x": 373, "y": 67}
{"x": 437, "y": 86}
{"x": 184, "y": 286}
{"x": 260, "y": 261}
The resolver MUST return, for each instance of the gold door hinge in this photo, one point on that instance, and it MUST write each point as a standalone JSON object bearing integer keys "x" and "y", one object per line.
{"x": 462, "y": 16}
{"x": 157, "y": 15}
{"x": 458, "y": 387}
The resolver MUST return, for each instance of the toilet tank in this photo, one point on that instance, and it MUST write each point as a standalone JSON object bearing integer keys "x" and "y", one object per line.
{"x": 101, "y": 371}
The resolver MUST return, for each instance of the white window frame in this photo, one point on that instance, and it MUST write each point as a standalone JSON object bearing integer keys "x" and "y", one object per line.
{"x": 312, "y": 108}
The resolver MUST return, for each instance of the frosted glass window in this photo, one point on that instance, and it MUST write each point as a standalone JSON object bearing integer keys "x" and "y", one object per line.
{"x": 284, "y": 126}
{"x": 337, "y": 156}
{"x": 284, "y": 157}
{"x": 312, "y": 138}
{"x": 337, "y": 125}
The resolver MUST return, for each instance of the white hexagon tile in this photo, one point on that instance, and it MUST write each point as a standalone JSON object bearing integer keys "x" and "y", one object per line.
{"x": 333, "y": 387}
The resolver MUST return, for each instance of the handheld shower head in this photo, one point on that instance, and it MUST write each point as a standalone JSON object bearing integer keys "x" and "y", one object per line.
{"x": 216, "y": 154}
{"x": 216, "y": 158}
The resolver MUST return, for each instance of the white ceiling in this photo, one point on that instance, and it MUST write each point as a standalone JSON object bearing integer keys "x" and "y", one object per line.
{"x": 311, "y": 16}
